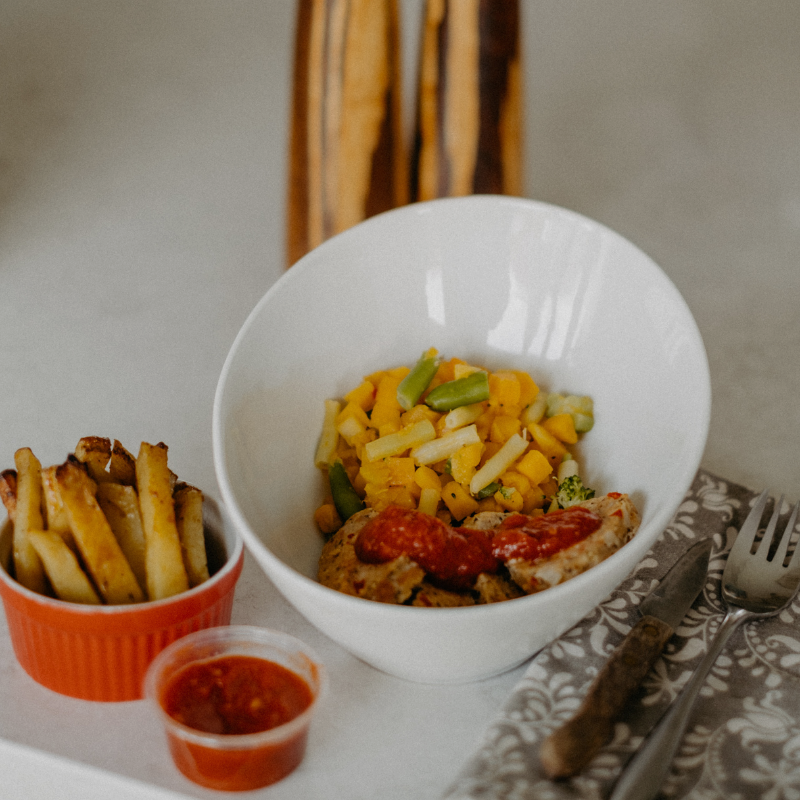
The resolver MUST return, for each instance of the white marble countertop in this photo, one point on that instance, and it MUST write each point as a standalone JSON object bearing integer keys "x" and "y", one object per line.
{"x": 142, "y": 188}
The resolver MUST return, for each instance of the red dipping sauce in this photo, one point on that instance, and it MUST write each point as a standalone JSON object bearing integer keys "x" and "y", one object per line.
{"x": 235, "y": 695}
{"x": 454, "y": 557}
{"x": 236, "y": 719}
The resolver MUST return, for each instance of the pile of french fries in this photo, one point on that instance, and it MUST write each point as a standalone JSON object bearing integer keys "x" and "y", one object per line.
{"x": 104, "y": 527}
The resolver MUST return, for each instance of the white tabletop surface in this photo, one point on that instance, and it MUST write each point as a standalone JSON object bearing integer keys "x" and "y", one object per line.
{"x": 142, "y": 185}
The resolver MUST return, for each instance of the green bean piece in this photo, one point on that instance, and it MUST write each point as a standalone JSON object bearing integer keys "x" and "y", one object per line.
{"x": 462, "y": 392}
{"x": 345, "y": 498}
{"x": 489, "y": 490}
{"x": 417, "y": 381}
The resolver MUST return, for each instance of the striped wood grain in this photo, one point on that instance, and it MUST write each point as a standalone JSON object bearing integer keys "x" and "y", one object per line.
{"x": 468, "y": 135}
{"x": 346, "y": 158}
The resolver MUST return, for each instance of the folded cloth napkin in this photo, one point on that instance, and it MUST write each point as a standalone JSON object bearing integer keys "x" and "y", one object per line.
{"x": 743, "y": 740}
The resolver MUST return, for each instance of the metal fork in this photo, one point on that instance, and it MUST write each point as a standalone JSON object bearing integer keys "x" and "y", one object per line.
{"x": 754, "y": 586}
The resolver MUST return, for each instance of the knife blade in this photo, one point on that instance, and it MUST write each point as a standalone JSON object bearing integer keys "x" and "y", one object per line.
{"x": 572, "y": 746}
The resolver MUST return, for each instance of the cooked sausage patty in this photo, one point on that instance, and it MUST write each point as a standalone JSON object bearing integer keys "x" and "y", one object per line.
{"x": 402, "y": 580}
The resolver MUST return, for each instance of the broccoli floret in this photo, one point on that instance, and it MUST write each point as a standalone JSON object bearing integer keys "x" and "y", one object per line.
{"x": 571, "y": 491}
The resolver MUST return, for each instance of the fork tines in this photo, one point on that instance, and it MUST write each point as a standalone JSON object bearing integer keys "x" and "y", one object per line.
{"x": 749, "y": 531}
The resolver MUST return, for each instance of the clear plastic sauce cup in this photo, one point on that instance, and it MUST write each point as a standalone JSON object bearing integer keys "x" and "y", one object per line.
{"x": 232, "y": 679}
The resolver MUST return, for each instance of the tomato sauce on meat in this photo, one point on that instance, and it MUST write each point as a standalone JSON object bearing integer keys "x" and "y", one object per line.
{"x": 454, "y": 557}
{"x": 531, "y": 538}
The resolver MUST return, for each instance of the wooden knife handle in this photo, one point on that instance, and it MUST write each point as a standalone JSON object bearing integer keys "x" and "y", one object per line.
{"x": 346, "y": 159}
{"x": 468, "y": 135}
{"x": 567, "y": 750}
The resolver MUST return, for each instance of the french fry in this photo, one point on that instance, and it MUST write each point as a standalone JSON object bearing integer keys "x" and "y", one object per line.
{"x": 8, "y": 491}
{"x": 189, "y": 519}
{"x": 94, "y": 452}
{"x": 122, "y": 466}
{"x": 166, "y": 574}
{"x": 69, "y": 581}
{"x": 54, "y": 511}
{"x": 102, "y": 555}
{"x": 28, "y": 517}
{"x": 121, "y": 508}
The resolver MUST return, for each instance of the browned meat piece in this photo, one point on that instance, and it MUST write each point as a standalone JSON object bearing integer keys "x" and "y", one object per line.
{"x": 494, "y": 588}
{"x": 400, "y": 580}
{"x": 620, "y": 522}
{"x": 341, "y": 569}
{"x": 430, "y": 596}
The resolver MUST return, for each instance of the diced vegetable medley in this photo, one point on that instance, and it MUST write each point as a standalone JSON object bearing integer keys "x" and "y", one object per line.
{"x": 450, "y": 439}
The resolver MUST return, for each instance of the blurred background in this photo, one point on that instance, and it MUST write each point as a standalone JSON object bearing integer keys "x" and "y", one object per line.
{"x": 144, "y": 175}
{"x": 156, "y": 134}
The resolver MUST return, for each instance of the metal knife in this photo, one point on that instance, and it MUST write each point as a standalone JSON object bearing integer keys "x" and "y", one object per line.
{"x": 568, "y": 749}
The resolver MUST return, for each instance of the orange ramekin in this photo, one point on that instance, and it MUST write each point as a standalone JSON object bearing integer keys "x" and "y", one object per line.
{"x": 103, "y": 652}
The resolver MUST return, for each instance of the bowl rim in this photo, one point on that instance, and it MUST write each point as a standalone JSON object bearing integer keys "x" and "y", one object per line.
{"x": 655, "y": 524}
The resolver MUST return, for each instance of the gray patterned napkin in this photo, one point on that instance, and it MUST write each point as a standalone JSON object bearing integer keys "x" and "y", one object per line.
{"x": 743, "y": 741}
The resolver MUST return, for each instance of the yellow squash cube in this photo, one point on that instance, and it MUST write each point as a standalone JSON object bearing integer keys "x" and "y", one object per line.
{"x": 363, "y": 395}
{"x": 427, "y": 478}
{"x": 516, "y": 480}
{"x": 535, "y": 466}
{"x": 464, "y": 462}
{"x": 504, "y": 390}
{"x": 386, "y": 408}
{"x": 509, "y": 500}
{"x": 547, "y": 443}
{"x": 562, "y": 426}
{"x": 529, "y": 391}
{"x": 503, "y": 428}
{"x": 458, "y": 500}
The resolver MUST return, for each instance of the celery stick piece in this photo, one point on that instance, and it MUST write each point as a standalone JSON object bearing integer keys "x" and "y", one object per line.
{"x": 463, "y": 415}
{"x": 395, "y": 443}
{"x": 498, "y": 463}
{"x": 330, "y": 436}
{"x": 444, "y": 447}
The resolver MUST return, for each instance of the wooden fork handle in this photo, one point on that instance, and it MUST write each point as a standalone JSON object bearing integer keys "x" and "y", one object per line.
{"x": 568, "y": 749}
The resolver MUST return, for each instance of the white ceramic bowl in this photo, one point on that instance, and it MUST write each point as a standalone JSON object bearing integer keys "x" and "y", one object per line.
{"x": 499, "y": 281}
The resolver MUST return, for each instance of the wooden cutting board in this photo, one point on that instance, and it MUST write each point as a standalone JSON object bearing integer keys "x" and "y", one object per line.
{"x": 469, "y": 127}
{"x": 347, "y": 160}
